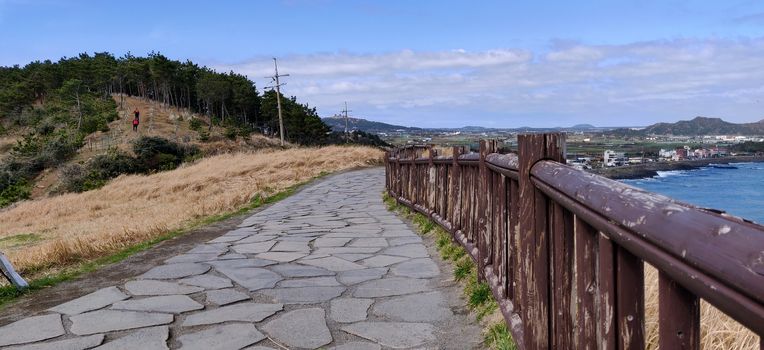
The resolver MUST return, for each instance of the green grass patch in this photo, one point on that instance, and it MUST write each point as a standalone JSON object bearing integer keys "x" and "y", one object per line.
{"x": 8, "y": 293}
{"x": 19, "y": 240}
{"x": 479, "y": 297}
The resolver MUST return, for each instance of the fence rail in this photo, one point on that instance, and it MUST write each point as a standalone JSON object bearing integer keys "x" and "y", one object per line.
{"x": 563, "y": 250}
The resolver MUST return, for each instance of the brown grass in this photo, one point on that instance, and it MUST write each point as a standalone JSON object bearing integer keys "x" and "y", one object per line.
{"x": 717, "y": 330}
{"x": 136, "y": 208}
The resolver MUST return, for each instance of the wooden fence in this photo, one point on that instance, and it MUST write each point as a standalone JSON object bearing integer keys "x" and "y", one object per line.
{"x": 563, "y": 250}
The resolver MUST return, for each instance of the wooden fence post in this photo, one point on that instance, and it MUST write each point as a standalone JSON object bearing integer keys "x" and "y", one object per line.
{"x": 456, "y": 191}
{"x": 534, "y": 237}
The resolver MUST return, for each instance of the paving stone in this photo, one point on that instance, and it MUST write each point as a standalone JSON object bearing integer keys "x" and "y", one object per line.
{"x": 302, "y": 328}
{"x": 383, "y": 260}
{"x": 353, "y": 257}
{"x": 174, "y": 304}
{"x": 252, "y": 278}
{"x": 310, "y": 282}
{"x": 245, "y": 312}
{"x": 257, "y": 238}
{"x": 93, "y": 301}
{"x": 207, "y": 282}
{"x": 225, "y": 296}
{"x": 417, "y": 268}
{"x": 208, "y": 249}
{"x": 31, "y": 329}
{"x": 397, "y": 335}
{"x": 292, "y": 246}
{"x": 79, "y": 343}
{"x": 227, "y": 238}
{"x": 303, "y": 295}
{"x": 390, "y": 286}
{"x": 331, "y": 242}
{"x": 173, "y": 271}
{"x": 225, "y": 337}
{"x": 369, "y": 242}
{"x": 230, "y": 256}
{"x": 151, "y": 287}
{"x": 154, "y": 338}
{"x": 347, "y": 310}
{"x": 408, "y": 250}
{"x": 112, "y": 320}
{"x": 191, "y": 258}
{"x": 297, "y": 270}
{"x": 281, "y": 256}
{"x": 358, "y": 276}
{"x": 258, "y": 347}
{"x": 424, "y": 307}
{"x": 357, "y": 345}
{"x": 404, "y": 240}
{"x": 347, "y": 250}
{"x": 397, "y": 233}
{"x": 334, "y": 264}
{"x": 237, "y": 263}
{"x": 254, "y": 248}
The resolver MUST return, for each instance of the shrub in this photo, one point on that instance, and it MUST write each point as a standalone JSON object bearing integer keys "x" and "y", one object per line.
{"x": 231, "y": 132}
{"x": 196, "y": 124}
{"x": 156, "y": 153}
{"x": 14, "y": 191}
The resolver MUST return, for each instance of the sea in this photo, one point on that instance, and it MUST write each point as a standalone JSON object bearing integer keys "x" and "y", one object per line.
{"x": 736, "y": 188}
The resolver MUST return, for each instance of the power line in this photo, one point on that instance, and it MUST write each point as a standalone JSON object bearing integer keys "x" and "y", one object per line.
{"x": 277, "y": 85}
{"x": 345, "y": 111}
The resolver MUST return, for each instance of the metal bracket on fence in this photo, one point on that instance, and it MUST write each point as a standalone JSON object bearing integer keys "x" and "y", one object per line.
{"x": 7, "y": 270}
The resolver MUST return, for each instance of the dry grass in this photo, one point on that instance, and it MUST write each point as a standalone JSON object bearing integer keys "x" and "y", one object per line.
{"x": 136, "y": 208}
{"x": 717, "y": 330}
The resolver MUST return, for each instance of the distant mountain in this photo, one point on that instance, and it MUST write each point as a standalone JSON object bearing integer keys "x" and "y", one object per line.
{"x": 583, "y": 127}
{"x": 337, "y": 123}
{"x": 698, "y": 126}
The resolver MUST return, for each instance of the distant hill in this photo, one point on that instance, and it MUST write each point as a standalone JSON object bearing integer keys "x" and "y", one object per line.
{"x": 337, "y": 123}
{"x": 698, "y": 126}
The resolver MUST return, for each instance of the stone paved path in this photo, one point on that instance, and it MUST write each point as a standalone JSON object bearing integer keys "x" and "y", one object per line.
{"x": 327, "y": 268}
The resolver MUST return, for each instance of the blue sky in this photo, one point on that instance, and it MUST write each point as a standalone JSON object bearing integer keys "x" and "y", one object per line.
{"x": 440, "y": 63}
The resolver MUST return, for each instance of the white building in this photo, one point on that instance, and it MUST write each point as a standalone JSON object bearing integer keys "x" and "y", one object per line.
{"x": 611, "y": 158}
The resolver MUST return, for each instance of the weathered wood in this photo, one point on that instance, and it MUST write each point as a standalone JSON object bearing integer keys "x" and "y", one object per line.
{"x": 514, "y": 264}
{"x": 630, "y": 308}
{"x": 606, "y": 330}
{"x": 586, "y": 285}
{"x": 679, "y": 316}
{"x": 561, "y": 277}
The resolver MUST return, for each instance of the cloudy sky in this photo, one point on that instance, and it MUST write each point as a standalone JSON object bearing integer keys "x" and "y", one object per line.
{"x": 440, "y": 63}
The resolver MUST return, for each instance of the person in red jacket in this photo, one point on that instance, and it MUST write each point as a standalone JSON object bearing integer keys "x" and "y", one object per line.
{"x": 135, "y": 124}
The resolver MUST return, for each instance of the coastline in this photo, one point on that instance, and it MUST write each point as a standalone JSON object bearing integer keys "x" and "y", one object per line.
{"x": 647, "y": 170}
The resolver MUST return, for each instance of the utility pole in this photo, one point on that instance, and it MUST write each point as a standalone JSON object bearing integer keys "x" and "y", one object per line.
{"x": 345, "y": 111}
{"x": 278, "y": 97}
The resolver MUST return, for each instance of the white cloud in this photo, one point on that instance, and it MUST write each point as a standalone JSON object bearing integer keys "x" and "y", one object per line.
{"x": 639, "y": 83}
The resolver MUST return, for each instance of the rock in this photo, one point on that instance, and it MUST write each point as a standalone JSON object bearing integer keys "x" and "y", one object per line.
{"x": 167, "y": 303}
{"x": 310, "y": 282}
{"x": 331, "y": 242}
{"x": 93, "y": 301}
{"x": 207, "y": 282}
{"x": 404, "y": 240}
{"x": 357, "y": 345}
{"x": 333, "y": 264}
{"x": 173, "y": 271}
{"x": 151, "y": 287}
{"x": 353, "y": 257}
{"x": 291, "y": 246}
{"x": 253, "y": 248}
{"x": 252, "y": 278}
{"x": 238, "y": 263}
{"x": 191, "y": 258}
{"x": 390, "y": 286}
{"x": 225, "y": 296}
{"x": 302, "y": 328}
{"x": 305, "y": 295}
{"x": 113, "y": 320}
{"x": 225, "y": 337}
{"x": 369, "y": 242}
{"x": 80, "y": 343}
{"x": 208, "y": 249}
{"x": 281, "y": 256}
{"x": 346, "y": 310}
{"x": 245, "y": 312}
{"x": 358, "y": 276}
{"x": 396, "y": 335}
{"x": 424, "y": 307}
{"x": 416, "y": 268}
{"x": 154, "y": 338}
{"x": 31, "y": 329}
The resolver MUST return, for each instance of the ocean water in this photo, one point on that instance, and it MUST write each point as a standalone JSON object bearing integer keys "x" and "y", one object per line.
{"x": 739, "y": 191}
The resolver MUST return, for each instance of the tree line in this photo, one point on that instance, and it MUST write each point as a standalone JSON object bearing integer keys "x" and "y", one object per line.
{"x": 228, "y": 99}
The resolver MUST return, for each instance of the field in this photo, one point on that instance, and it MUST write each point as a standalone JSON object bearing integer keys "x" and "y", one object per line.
{"x": 39, "y": 234}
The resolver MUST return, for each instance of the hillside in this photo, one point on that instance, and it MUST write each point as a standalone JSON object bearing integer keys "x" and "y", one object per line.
{"x": 698, "y": 126}
{"x": 337, "y": 123}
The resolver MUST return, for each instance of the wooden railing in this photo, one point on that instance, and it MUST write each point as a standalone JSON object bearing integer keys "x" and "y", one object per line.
{"x": 563, "y": 250}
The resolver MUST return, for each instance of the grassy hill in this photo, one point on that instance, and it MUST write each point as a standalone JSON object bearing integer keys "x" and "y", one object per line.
{"x": 337, "y": 123}
{"x": 698, "y": 126}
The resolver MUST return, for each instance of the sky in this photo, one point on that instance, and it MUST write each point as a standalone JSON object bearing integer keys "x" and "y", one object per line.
{"x": 443, "y": 63}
